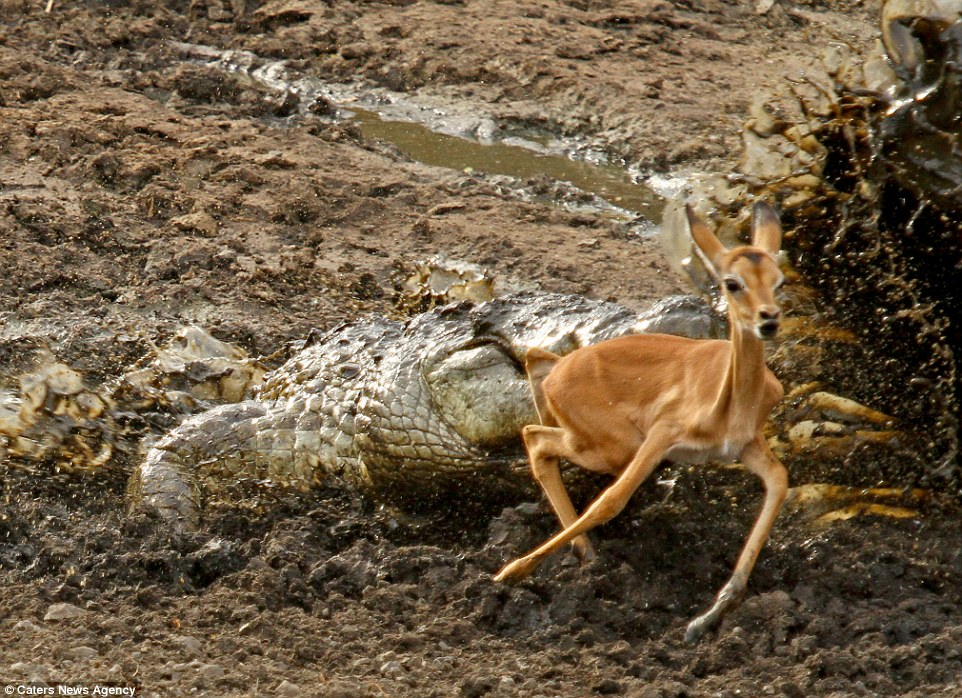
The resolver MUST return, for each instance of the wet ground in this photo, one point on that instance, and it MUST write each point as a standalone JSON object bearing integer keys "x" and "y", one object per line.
{"x": 141, "y": 190}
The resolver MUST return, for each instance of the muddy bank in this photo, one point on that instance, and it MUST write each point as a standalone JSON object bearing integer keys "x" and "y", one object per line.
{"x": 339, "y": 599}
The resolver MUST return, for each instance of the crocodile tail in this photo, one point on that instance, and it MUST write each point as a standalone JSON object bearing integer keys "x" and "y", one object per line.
{"x": 538, "y": 364}
{"x": 163, "y": 484}
{"x": 210, "y": 453}
{"x": 178, "y": 470}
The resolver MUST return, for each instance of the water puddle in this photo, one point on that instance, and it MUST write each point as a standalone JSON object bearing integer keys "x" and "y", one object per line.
{"x": 618, "y": 193}
{"x": 453, "y": 137}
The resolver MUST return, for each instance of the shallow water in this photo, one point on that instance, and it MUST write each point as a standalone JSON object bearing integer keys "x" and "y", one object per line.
{"x": 513, "y": 157}
{"x": 450, "y": 136}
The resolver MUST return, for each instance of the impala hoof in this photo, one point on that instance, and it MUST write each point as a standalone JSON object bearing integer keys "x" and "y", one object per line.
{"x": 698, "y": 627}
{"x": 514, "y": 572}
{"x": 584, "y": 550}
{"x": 728, "y": 598}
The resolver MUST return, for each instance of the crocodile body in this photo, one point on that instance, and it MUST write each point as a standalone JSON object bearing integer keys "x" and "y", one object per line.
{"x": 409, "y": 410}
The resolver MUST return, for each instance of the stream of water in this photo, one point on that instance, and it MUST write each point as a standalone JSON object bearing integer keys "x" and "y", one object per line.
{"x": 611, "y": 184}
{"x": 454, "y": 137}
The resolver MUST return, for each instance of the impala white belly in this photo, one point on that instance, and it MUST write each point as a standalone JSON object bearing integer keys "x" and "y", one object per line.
{"x": 694, "y": 454}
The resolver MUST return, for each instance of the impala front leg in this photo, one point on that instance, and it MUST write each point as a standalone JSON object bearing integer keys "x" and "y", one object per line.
{"x": 759, "y": 459}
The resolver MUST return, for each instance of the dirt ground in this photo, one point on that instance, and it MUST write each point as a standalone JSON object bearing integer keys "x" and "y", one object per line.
{"x": 140, "y": 193}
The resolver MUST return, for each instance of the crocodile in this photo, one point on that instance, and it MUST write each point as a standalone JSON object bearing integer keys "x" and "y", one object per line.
{"x": 409, "y": 410}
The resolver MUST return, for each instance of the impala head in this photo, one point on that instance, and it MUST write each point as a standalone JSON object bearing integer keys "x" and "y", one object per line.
{"x": 748, "y": 274}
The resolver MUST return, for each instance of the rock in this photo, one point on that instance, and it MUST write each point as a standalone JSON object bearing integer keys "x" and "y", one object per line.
{"x": 199, "y": 222}
{"x": 82, "y": 653}
{"x": 286, "y": 688}
{"x": 762, "y": 7}
{"x": 63, "y": 611}
{"x": 393, "y": 668}
{"x": 337, "y": 689}
{"x": 32, "y": 673}
{"x": 190, "y": 644}
{"x": 210, "y": 672}
{"x": 205, "y": 672}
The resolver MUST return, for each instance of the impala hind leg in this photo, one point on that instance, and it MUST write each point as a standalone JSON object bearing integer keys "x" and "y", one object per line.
{"x": 545, "y": 445}
{"x": 759, "y": 459}
{"x": 604, "y": 508}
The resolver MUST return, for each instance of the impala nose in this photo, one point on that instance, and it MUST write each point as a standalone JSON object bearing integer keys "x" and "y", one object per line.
{"x": 769, "y": 320}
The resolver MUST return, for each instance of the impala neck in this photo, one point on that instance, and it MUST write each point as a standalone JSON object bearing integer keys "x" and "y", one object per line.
{"x": 741, "y": 390}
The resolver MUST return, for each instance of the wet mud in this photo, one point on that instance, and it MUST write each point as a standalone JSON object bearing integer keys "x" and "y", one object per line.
{"x": 867, "y": 175}
{"x": 140, "y": 193}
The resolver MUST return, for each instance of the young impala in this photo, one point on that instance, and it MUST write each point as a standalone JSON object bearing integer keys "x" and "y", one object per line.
{"x": 624, "y": 405}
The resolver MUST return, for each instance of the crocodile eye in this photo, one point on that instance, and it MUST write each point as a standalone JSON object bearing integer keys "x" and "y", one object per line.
{"x": 732, "y": 285}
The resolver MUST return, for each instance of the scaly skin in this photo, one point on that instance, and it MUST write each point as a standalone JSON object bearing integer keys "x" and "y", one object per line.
{"x": 407, "y": 410}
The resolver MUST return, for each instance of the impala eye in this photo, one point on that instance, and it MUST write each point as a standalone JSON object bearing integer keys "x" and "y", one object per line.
{"x": 732, "y": 285}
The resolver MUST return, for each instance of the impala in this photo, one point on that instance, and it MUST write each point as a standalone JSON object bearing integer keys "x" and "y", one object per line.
{"x": 622, "y": 406}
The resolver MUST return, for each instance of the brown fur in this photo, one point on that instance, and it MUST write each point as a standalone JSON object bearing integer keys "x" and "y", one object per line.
{"x": 621, "y": 406}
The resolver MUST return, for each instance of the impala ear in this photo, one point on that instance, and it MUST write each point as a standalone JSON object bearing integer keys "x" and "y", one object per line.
{"x": 709, "y": 245}
{"x": 766, "y": 228}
